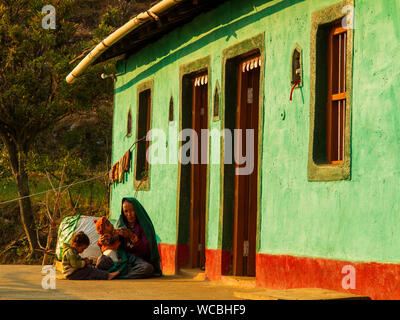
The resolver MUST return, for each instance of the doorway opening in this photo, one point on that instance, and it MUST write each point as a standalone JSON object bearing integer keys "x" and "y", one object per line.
{"x": 242, "y": 89}
{"x": 193, "y": 179}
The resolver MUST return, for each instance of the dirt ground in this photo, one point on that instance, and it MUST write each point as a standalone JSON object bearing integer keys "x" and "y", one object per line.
{"x": 24, "y": 282}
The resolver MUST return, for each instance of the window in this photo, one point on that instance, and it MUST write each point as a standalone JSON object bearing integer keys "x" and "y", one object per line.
{"x": 331, "y": 67}
{"x": 129, "y": 124}
{"x": 336, "y": 106}
{"x": 144, "y": 111}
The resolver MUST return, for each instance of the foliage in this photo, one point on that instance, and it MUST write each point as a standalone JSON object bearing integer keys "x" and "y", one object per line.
{"x": 33, "y": 93}
{"x": 5, "y": 169}
{"x": 34, "y": 60}
{"x": 45, "y": 122}
{"x": 34, "y": 63}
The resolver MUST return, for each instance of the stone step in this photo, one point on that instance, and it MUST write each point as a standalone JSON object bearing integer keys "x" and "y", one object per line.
{"x": 194, "y": 274}
{"x": 240, "y": 282}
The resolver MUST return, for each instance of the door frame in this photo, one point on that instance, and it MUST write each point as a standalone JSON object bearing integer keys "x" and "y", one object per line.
{"x": 196, "y": 222}
{"x": 241, "y": 222}
{"x": 185, "y": 71}
{"x": 229, "y": 57}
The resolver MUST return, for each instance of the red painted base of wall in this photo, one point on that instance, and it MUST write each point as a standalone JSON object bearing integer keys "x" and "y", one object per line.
{"x": 375, "y": 280}
{"x": 172, "y": 257}
{"x": 217, "y": 263}
{"x": 167, "y": 255}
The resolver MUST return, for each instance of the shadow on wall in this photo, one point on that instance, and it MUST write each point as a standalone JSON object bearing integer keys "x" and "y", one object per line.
{"x": 227, "y": 29}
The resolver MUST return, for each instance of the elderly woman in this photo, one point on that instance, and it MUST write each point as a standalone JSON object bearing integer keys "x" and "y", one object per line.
{"x": 138, "y": 243}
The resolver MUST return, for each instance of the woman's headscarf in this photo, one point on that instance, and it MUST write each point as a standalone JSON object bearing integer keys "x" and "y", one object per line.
{"x": 145, "y": 222}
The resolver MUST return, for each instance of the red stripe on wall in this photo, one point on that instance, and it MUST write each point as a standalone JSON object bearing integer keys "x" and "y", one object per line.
{"x": 167, "y": 255}
{"x": 172, "y": 257}
{"x": 372, "y": 279}
{"x": 217, "y": 263}
{"x": 376, "y": 280}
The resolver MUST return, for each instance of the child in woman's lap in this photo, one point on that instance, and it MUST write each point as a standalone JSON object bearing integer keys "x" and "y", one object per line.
{"x": 109, "y": 238}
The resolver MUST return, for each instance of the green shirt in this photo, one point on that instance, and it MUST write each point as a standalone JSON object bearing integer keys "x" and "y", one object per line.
{"x": 71, "y": 260}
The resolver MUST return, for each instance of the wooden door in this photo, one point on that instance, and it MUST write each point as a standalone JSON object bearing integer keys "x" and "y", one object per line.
{"x": 245, "y": 206}
{"x": 198, "y": 173}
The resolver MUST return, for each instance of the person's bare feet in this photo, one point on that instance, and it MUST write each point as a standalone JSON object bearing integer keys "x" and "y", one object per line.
{"x": 112, "y": 275}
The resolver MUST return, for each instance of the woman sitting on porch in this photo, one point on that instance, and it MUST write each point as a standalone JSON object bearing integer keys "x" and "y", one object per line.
{"x": 138, "y": 241}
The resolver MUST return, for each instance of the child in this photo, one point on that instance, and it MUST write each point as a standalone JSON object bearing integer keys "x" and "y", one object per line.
{"x": 76, "y": 268}
{"x": 110, "y": 242}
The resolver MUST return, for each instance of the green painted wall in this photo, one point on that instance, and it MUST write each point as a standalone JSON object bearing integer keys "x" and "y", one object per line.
{"x": 354, "y": 220}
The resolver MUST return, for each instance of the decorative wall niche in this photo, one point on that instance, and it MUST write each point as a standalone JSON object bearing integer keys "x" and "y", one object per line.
{"x": 217, "y": 102}
{"x": 171, "y": 110}
{"x": 129, "y": 123}
{"x": 296, "y": 67}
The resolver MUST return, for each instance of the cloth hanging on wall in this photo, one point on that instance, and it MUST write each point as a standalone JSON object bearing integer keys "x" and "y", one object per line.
{"x": 126, "y": 161}
{"x": 121, "y": 170}
{"x": 115, "y": 172}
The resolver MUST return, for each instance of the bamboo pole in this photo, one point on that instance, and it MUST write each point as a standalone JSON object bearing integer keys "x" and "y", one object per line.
{"x": 141, "y": 18}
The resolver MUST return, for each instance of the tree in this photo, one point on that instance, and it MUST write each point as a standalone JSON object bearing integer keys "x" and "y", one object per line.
{"x": 33, "y": 93}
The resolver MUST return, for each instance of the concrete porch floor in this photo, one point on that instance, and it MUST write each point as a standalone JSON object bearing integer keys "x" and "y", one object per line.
{"x": 24, "y": 282}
